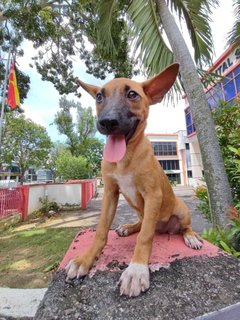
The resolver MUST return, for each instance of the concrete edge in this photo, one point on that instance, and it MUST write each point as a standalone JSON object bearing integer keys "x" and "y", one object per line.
{"x": 231, "y": 313}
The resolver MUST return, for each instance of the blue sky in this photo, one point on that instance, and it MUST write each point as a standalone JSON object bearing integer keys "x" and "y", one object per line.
{"x": 42, "y": 102}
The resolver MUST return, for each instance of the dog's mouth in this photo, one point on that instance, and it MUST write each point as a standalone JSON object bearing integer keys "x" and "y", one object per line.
{"x": 116, "y": 145}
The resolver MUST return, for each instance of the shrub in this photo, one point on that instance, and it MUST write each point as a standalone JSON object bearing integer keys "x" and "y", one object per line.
{"x": 201, "y": 193}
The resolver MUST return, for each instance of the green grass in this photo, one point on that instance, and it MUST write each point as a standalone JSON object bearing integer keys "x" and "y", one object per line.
{"x": 34, "y": 250}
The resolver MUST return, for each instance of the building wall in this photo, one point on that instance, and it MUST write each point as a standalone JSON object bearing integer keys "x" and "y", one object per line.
{"x": 225, "y": 89}
{"x": 170, "y": 161}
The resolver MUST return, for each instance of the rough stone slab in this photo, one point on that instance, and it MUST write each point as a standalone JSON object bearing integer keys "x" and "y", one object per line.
{"x": 187, "y": 284}
{"x": 189, "y": 288}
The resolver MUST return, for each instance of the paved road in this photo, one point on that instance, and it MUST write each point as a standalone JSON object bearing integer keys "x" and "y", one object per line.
{"x": 125, "y": 214}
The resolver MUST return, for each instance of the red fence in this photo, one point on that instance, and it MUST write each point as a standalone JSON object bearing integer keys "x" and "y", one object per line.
{"x": 87, "y": 190}
{"x": 10, "y": 202}
{"x": 15, "y": 200}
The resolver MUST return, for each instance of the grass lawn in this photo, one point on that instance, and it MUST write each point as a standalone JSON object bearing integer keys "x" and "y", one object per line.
{"x": 28, "y": 257}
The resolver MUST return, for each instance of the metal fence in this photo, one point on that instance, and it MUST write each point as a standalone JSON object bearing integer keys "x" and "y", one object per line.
{"x": 10, "y": 202}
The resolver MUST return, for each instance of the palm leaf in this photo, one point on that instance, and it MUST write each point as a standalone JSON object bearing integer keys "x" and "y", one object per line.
{"x": 196, "y": 15}
{"x": 234, "y": 34}
{"x": 149, "y": 43}
{"x": 106, "y": 11}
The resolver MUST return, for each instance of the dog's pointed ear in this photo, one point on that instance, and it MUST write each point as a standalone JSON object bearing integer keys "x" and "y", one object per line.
{"x": 91, "y": 89}
{"x": 156, "y": 87}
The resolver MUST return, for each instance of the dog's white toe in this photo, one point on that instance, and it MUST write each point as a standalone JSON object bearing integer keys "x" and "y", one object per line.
{"x": 134, "y": 280}
{"x": 193, "y": 242}
{"x": 121, "y": 231}
{"x": 74, "y": 271}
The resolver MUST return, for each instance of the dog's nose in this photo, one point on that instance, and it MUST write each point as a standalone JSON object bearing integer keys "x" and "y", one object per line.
{"x": 109, "y": 124}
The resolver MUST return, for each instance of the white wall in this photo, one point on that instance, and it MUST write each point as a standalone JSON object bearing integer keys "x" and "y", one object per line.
{"x": 61, "y": 193}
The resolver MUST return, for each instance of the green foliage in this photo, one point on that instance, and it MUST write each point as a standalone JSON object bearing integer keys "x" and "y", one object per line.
{"x": 234, "y": 34}
{"x": 227, "y": 119}
{"x": 62, "y": 31}
{"x": 70, "y": 167}
{"x": 94, "y": 157}
{"x": 80, "y": 135}
{"x": 25, "y": 143}
{"x": 202, "y": 194}
{"x": 48, "y": 206}
{"x": 227, "y": 238}
{"x": 221, "y": 238}
{"x": 77, "y": 133}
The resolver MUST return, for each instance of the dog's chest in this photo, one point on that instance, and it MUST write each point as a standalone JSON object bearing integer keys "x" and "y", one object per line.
{"x": 127, "y": 187}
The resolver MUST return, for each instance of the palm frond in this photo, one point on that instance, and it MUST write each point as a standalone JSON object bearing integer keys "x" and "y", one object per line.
{"x": 153, "y": 51}
{"x": 105, "y": 41}
{"x": 234, "y": 34}
{"x": 196, "y": 14}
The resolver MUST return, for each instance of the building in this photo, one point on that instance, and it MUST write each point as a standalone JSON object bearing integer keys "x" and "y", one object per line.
{"x": 226, "y": 88}
{"x": 172, "y": 152}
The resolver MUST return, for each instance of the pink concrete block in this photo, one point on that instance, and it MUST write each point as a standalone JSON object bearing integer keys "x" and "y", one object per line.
{"x": 166, "y": 248}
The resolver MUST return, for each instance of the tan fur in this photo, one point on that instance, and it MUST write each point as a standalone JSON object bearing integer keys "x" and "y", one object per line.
{"x": 154, "y": 201}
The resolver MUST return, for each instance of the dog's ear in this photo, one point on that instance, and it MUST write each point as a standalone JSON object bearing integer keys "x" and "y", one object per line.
{"x": 156, "y": 87}
{"x": 92, "y": 90}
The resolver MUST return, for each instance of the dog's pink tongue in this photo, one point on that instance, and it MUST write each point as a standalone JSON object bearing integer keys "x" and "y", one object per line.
{"x": 115, "y": 148}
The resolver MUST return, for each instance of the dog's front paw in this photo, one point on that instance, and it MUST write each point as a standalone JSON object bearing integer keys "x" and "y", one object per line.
{"x": 75, "y": 270}
{"x": 134, "y": 280}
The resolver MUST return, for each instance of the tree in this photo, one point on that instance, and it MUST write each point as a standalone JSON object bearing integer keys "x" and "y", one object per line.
{"x": 25, "y": 143}
{"x": 80, "y": 135}
{"x": 149, "y": 19}
{"x": 70, "y": 167}
{"x": 59, "y": 29}
{"x": 93, "y": 154}
{"x": 56, "y": 150}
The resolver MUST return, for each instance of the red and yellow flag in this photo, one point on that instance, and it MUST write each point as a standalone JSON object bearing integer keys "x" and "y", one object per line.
{"x": 13, "y": 94}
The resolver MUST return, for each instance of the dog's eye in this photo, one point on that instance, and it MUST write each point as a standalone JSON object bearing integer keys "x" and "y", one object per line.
{"x": 99, "y": 97}
{"x": 132, "y": 95}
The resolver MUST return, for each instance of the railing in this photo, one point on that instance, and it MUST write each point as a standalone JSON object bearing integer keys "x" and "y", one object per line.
{"x": 10, "y": 202}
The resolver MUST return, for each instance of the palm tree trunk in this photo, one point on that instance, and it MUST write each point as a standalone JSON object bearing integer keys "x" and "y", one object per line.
{"x": 214, "y": 171}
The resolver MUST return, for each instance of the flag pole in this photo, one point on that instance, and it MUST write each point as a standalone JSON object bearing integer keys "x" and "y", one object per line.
{"x": 4, "y": 95}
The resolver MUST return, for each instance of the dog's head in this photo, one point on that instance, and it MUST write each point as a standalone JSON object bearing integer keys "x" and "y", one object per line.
{"x": 122, "y": 104}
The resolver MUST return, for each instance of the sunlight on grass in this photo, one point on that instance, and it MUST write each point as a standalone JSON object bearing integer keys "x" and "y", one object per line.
{"x": 20, "y": 265}
{"x": 34, "y": 249}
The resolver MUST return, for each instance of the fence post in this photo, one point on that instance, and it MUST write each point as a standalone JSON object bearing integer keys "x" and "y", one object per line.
{"x": 84, "y": 195}
{"x": 25, "y": 197}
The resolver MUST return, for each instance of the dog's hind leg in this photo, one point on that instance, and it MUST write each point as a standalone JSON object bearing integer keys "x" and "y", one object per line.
{"x": 190, "y": 237}
{"x": 125, "y": 230}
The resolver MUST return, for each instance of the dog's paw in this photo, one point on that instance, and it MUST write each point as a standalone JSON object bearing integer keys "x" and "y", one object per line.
{"x": 75, "y": 270}
{"x": 193, "y": 241}
{"x": 122, "y": 231}
{"x": 134, "y": 280}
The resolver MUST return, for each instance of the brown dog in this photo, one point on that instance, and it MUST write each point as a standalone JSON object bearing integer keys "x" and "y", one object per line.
{"x": 129, "y": 166}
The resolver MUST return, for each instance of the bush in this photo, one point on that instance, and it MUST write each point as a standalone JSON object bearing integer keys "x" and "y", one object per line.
{"x": 201, "y": 193}
{"x": 227, "y": 238}
{"x": 71, "y": 168}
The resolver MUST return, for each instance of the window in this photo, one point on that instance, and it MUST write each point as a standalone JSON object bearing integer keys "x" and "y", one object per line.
{"x": 189, "y": 173}
{"x": 225, "y": 90}
{"x": 187, "y": 146}
{"x": 174, "y": 178}
{"x": 189, "y": 121}
{"x": 229, "y": 90}
{"x": 169, "y": 164}
{"x": 164, "y": 148}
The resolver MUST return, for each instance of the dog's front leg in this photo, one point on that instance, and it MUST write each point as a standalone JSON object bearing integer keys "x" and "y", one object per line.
{"x": 135, "y": 279}
{"x": 80, "y": 265}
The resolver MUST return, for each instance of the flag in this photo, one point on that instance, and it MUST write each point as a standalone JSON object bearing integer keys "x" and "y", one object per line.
{"x": 13, "y": 94}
